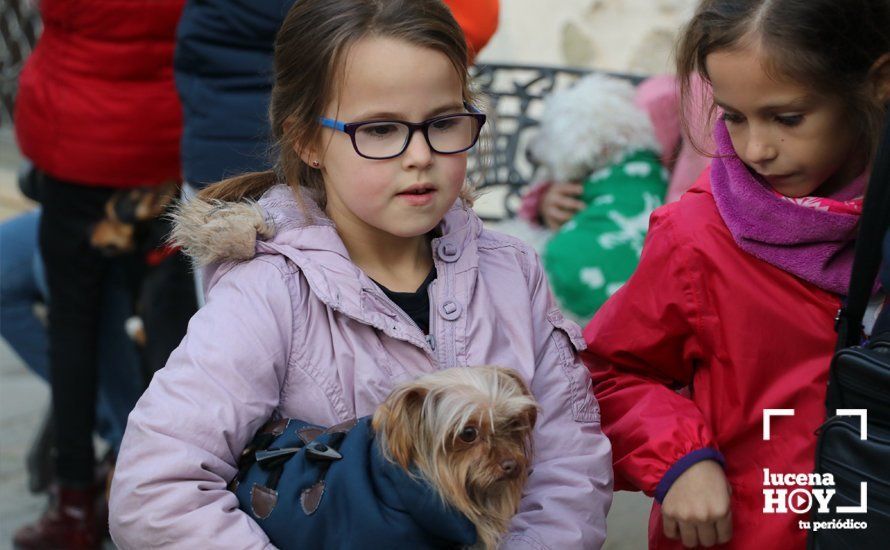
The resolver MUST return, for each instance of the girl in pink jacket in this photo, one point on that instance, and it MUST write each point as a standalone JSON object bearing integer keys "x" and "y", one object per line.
{"x": 355, "y": 265}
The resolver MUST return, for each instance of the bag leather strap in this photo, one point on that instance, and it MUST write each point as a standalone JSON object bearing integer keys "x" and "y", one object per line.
{"x": 873, "y": 225}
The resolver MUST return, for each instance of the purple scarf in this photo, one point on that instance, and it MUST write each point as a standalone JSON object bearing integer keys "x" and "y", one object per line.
{"x": 815, "y": 245}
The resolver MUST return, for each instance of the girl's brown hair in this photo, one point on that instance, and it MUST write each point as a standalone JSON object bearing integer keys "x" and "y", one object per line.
{"x": 828, "y": 45}
{"x": 309, "y": 48}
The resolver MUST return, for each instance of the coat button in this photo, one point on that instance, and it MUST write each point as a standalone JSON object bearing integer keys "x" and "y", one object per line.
{"x": 448, "y": 252}
{"x": 450, "y": 310}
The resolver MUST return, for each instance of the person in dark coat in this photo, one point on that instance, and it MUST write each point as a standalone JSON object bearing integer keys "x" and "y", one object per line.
{"x": 223, "y": 71}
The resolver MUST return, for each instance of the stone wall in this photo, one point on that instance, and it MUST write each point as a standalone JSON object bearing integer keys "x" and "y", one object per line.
{"x": 634, "y": 36}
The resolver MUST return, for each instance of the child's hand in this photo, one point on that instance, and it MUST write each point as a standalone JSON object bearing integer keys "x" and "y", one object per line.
{"x": 560, "y": 203}
{"x": 696, "y": 507}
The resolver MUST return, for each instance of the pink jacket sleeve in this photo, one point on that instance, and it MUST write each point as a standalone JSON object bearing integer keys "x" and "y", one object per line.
{"x": 530, "y": 206}
{"x": 183, "y": 437}
{"x": 570, "y": 491}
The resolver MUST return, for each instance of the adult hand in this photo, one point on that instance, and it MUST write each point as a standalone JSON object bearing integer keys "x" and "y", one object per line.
{"x": 696, "y": 507}
{"x": 560, "y": 203}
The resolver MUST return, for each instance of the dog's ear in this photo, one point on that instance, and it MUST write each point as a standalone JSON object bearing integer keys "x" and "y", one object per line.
{"x": 516, "y": 379}
{"x": 530, "y": 413}
{"x": 398, "y": 420}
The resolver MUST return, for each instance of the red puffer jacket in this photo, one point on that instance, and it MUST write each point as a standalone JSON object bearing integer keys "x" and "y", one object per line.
{"x": 744, "y": 336}
{"x": 96, "y": 102}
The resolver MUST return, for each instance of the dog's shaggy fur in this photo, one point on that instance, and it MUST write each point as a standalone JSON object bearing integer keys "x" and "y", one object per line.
{"x": 468, "y": 432}
{"x": 590, "y": 126}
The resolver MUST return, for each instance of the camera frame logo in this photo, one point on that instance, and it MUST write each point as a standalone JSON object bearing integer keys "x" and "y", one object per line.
{"x": 800, "y": 492}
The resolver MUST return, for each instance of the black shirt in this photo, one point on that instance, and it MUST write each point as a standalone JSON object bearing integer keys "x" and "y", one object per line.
{"x": 416, "y": 304}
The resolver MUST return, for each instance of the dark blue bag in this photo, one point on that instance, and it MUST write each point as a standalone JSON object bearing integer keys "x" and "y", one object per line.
{"x": 311, "y": 487}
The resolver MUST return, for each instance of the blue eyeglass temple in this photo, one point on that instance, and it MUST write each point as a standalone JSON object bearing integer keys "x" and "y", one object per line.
{"x": 339, "y": 125}
{"x": 331, "y": 123}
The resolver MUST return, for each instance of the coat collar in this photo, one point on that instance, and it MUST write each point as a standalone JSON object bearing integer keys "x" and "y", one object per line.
{"x": 283, "y": 223}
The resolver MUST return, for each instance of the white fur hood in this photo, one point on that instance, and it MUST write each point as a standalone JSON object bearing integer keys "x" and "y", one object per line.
{"x": 215, "y": 231}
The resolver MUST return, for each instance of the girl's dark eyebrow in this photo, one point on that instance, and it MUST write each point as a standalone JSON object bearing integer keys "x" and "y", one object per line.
{"x": 793, "y": 105}
{"x": 389, "y": 115}
{"x": 723, "y": 106}
{"x": 446, "y": 109}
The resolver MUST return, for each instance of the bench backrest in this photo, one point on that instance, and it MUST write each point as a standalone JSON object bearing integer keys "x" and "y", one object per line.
{"x": 513, "y": 98}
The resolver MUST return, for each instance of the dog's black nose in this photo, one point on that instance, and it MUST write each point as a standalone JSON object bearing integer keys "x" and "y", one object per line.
{"x": 510, "y": 468}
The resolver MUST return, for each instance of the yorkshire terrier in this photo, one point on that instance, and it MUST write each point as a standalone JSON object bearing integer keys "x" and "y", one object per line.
{"x": 468, "y": 432}
{"x": 463, "y": 436}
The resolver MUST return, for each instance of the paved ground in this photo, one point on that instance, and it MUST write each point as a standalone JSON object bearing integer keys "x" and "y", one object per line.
{"x": 24, "y": 399}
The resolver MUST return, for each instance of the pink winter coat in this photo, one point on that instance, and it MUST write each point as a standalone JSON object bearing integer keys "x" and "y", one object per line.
{"x": 300, "y": 331}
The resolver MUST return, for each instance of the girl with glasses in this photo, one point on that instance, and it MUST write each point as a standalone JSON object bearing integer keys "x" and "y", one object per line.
{"x": 356, "y": 264}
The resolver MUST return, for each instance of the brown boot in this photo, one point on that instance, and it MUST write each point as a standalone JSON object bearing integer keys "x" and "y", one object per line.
{"x": 69, "y": 523}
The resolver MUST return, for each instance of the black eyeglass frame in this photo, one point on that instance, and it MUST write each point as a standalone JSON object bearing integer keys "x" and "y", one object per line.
{"x": 350, "y": 129}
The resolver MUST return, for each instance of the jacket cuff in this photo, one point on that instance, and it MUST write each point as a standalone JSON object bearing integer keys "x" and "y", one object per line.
{"x": 529, "y": 207}
{"x": 683, "y": 464}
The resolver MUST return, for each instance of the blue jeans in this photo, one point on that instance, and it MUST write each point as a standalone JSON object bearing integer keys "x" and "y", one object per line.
{"x": 22, "y": 284}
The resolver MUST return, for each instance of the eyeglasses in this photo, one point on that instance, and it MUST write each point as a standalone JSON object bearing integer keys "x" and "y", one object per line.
{"x": 386, "y": 139}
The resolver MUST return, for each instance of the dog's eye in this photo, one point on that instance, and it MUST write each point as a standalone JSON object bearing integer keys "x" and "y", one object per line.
{"x": 468, "y": 434}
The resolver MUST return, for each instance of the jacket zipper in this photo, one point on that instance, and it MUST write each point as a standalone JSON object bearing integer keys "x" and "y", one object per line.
{"x": 836, "y": 423}
{"x": 431, "y": 337}
{"x": 401, "y": 313}
{"x": 861, "y": 388}
{"x": 882, "y": 487}
{"x": 852, "y": 383}
{"x": 405, "y": 317}
{"x": 448, "y": 353}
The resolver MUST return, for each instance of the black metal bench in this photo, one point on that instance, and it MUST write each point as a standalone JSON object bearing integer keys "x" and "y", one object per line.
{"x": 514, "y": 94}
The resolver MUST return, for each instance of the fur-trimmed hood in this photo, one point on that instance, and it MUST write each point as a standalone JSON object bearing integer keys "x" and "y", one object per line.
{"x": 215, "y": 231}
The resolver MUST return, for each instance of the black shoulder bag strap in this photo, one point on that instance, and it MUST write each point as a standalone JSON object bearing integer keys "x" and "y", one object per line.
{"x": 873, "y": 225}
